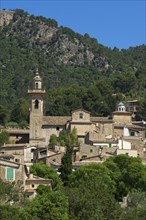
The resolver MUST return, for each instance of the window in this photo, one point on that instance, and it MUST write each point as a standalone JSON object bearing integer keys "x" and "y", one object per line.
{"x": 110, "y": 145}
{"x": 36, "y": 104}
{"x": 32, "y": 185}
{"x": 9, "y": 173}
{"x": 84, "y": 156}
{"x": 17, "y": 160}
{"x": 91, "y": 150}
{"x": 81, "y": 115}
{"x": 2, "y": 152}
{"x": 132, "y": 133}
{"x": 57, "y": 128}
{"x": 36, "y": 85}
{"x": 7, "y": 158}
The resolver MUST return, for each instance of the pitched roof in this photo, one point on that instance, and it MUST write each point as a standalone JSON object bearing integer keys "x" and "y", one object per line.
{"x": 80, "y": 109}
{"x": 56, "y": 120}
{"x": 130, "y": 126}
{"x": 100, "y": 119}
{"x": 17, "y": 131}
{"x": 62, "y": 120}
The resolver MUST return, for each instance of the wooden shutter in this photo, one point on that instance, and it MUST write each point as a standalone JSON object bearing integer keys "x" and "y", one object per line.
{"x": 10, "y": 173}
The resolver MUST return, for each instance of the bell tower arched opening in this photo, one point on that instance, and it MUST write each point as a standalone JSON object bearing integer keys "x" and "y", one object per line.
{"x": 36, "y": 94}
{"x": 36, "y": 104}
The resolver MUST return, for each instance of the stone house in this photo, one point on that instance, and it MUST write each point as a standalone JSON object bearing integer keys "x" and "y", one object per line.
{"x": 18, "y": 136}
{"x": 102, "y": 132}
{"x": 96, "y": 134}
{"x": 21, "y": 153}
{"x": 11, "y": 171}
{"x": 32, "y": 183}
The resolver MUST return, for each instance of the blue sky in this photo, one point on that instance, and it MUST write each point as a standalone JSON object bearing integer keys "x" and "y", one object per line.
{"x": 113, "y": 23}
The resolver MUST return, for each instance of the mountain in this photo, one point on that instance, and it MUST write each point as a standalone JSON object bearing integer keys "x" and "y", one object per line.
{"x": 77, "y": 71}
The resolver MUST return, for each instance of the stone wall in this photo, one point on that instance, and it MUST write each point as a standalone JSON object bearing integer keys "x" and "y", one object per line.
{"x": 122, "y": 117}
{"x": 19, "y": 173}
{"x": 82, "y": 129}
{"x": 81, "y": 116}
{"x": 47, "y": 131}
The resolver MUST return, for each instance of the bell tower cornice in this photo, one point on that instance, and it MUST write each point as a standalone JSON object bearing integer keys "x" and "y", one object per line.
{"x": 37, "y": 85}
{"x": 36, "y": 93}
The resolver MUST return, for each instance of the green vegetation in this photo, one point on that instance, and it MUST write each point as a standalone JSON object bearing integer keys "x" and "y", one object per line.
{"x": 71, "y": 141}
{"x": 136, "y": 206}
{"x": 128, "y": 173}
{"x": 81, "y": 82}
{"x": 11, "y": 192}
{"x": 4, "y": 138}
{"x": 41, "y": 170}
{"x": 48, "y": 206}
{"x": 89, "y": 78}
{"x": 92, "y": 192}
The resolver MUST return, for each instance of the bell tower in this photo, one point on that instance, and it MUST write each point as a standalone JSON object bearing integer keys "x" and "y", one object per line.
{"x": 36, "y": 94}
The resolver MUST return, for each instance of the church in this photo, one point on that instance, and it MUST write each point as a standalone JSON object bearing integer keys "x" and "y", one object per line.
{"x": 100, "y": 138}
{"x": 118, "y": 130}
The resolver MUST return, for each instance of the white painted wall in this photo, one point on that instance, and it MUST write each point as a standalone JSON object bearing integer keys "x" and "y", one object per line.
{"x": 131, "y": 153}
{"x": 125, "y": 145}
{"x": 126, "y": 132}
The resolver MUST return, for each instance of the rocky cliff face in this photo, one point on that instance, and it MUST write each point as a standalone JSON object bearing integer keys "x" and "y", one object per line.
{"x": 5, "y": 17}
{"x": 57, "y": 43}
{"x": 77, "y": 71}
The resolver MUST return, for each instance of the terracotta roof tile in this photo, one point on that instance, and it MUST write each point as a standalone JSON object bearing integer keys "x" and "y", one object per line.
{"x": 100, "y": 119}
{"x": 80, "y": 109}
{"x": 56, "y": 120}
{"x": 132, "y": 126}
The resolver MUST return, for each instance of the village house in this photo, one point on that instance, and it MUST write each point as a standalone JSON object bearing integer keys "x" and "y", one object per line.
{"x": 118, "y": 132}
{"x": 14, "y": 171}
{"x": 100, "y": 138}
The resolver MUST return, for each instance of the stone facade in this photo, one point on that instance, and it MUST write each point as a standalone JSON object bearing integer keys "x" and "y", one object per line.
{"x": 100, "y": 138}
{"x": 32, "y": 183}
{"x": 99, "y": 131}
{"x": 36, "y": 110}
{"x": 17, "y": 171}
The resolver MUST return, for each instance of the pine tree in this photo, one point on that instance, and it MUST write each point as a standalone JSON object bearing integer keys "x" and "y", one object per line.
{"x": 66, "y": 162}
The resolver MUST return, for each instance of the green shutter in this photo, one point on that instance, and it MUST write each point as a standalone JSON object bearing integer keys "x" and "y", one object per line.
{"x": 10, "y": 173}
{"x": 110, "y": 145}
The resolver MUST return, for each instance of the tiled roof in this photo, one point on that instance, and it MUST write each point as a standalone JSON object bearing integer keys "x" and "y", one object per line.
{"x": 135, "y": 127}
{"x": 3, "y": 156}
{"x": 62, "y": 120}
{"x": 100, "y": 119}
{"x": 104, "y": 141}
{"x": 80, "y": 109}
{"x": 128, "y": 126}
{"x": 56, "y": 120}
{"x": 17, "y": 131}
{"x": 14, "y": 145}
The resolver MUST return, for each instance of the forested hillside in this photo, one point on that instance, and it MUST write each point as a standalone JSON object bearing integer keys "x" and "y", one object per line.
{"x": 77, "y": 71}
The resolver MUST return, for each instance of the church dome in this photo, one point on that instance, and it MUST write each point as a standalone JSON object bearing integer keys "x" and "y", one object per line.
{"x": 121, "y": 107}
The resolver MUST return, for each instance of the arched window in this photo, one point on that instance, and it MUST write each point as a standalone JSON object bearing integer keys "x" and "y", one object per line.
{"x": 36, "y": 85}
{"x": 81, "y": 115}
{"x": 36, "y": 104}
